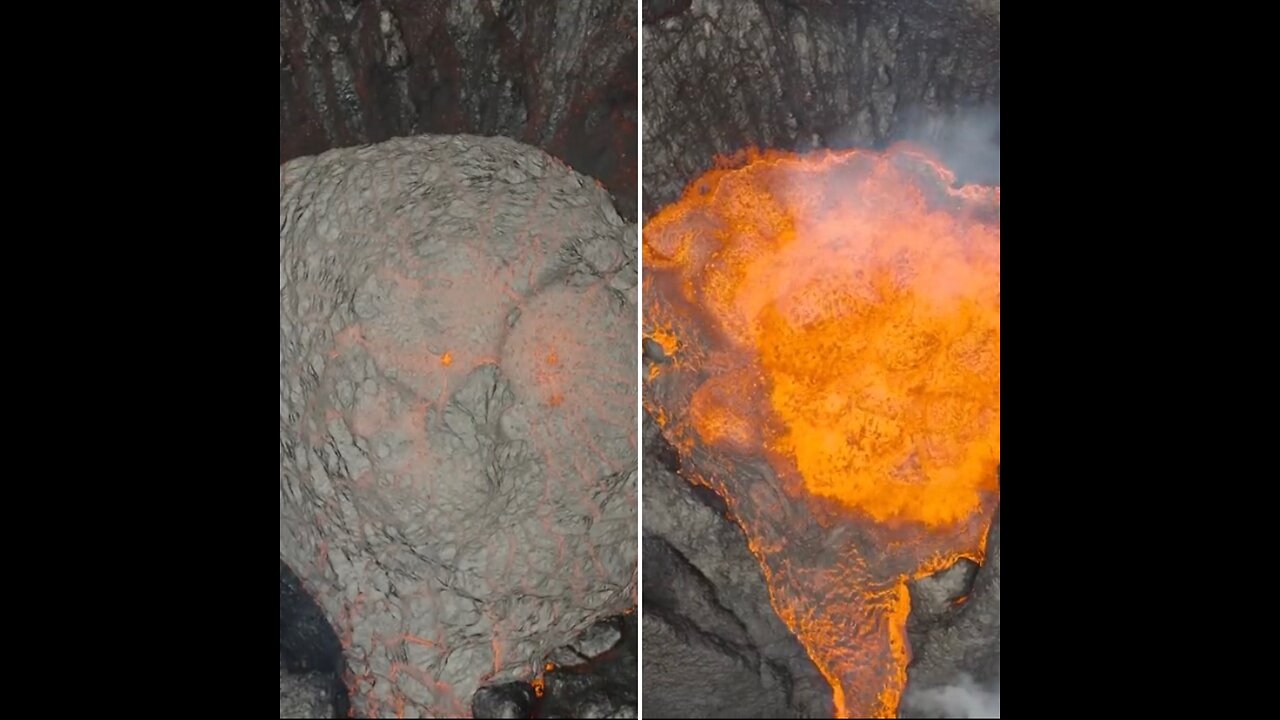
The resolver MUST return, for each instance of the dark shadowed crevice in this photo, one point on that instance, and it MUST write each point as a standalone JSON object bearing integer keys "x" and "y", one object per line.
{"x": 308, "y": 644}
{"x": 658, "y": 449}
{"x": 657, "y": 10}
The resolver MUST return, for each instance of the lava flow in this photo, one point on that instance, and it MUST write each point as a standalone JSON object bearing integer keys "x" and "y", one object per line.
{"x": 829, "y": 329}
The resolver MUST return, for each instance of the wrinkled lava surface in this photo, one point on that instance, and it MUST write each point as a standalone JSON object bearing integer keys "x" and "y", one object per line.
{"x": 457, "y": 411}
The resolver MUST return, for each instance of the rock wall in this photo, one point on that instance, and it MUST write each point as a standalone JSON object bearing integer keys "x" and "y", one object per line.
{"x": 557, "y": 75}
{"x": 721, "y": 75}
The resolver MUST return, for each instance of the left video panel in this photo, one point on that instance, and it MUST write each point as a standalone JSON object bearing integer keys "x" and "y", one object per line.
{"x": 458, "y": 359}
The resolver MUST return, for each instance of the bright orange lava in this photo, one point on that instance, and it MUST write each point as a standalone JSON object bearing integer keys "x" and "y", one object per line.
{"x": 836, "y": 316}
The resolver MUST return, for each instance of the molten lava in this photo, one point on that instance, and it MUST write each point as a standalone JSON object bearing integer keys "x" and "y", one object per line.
{"x": 830, "y": 326}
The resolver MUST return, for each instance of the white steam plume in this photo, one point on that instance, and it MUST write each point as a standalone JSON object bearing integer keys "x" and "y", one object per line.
{"x": 962, "y": 699}
{"x": 967, "y": 142}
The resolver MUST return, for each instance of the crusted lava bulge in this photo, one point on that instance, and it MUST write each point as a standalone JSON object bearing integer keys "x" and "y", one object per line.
{"x": 457, "y": 411}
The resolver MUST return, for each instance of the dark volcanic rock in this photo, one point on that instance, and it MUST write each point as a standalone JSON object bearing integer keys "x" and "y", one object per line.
{"x": 710, "y": 604}
{"x": 508, "y": 700}
{"x": 935, "y": 597}
{"x": 721, "y": 75}
{"x": 310, "y": 655}
{"x": 960, "y": 654}
{"x": 559, "y": 75}
{"x": 696, "y": 675}
{"x": 602, "y": 687}
{"x": 699, "y": 659}
{"x": 597, "y": 679}
{"x": 655, "y": 10}
{"x": 307, "y": 641}
{"x": 307, "y": 695}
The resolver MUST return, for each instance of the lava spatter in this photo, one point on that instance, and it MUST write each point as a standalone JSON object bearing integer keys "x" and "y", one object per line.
{"x": 837, "y": 382}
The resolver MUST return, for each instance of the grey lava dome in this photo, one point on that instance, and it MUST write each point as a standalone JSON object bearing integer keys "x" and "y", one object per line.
{"x": 457, "y": 411}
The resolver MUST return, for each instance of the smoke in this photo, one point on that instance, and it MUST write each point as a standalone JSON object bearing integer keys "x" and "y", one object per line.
{"x": 963, "y": 699}
{"x": 967, "y": 141}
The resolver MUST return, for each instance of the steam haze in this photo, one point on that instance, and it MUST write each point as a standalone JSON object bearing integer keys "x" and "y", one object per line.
{"x": 964, "y": 699}
{"x": 968, "y": 143}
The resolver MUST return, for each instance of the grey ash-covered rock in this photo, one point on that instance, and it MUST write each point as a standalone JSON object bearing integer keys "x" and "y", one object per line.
{"x": 457, "y": 411}
{"x": 598, "y": 639}
{"x": 721, "y": 76}
{"x": 557, "y": 75}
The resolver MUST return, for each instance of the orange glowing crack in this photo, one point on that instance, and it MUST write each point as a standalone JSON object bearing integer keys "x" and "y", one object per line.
{"x": 665, "y": 338}
{"x": 838, "y": 316}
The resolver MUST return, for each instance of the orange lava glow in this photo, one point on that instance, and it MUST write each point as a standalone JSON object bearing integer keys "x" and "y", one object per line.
{"x": 831, "y": 325}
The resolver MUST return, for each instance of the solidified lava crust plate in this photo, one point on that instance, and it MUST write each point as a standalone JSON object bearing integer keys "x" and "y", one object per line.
{"x": 825, "y": 337}
{"x": 457, "y": 411}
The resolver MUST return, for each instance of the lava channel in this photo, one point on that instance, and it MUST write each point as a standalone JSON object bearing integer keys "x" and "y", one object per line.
{"x": 830, "y": 365}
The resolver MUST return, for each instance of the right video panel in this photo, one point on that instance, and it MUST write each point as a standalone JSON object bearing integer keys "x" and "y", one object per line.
{"x": 821, "y": 359}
